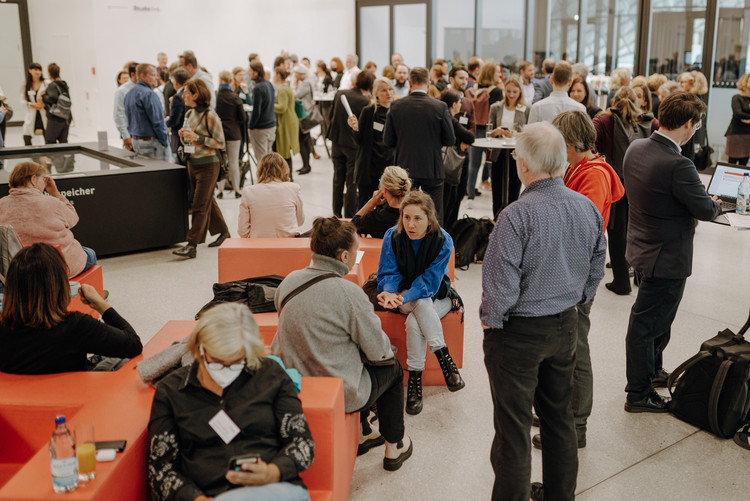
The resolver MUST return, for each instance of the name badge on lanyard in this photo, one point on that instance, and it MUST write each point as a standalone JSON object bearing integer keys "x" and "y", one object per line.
{"x": 378, "y": 126}
{"x": 463, "y": 120}
{"x": 224, "y": 426}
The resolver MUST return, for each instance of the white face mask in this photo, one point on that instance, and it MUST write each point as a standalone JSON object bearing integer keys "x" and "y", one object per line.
{"x": 224, "y": 376}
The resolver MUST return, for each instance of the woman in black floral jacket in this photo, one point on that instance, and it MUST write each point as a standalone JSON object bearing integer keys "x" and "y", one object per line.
{"x": 232, "y": 402}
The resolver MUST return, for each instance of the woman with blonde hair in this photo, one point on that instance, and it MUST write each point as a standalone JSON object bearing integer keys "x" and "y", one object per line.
{"x": 373, "y": 155}
{"x": 413, "y": 278}
{"x": 654, "y": 81}
{"x": 620, "y": 77}
{"x": 230, "y": 376}
{"x": 738, "y": 132}
{"x": 488, "y": 91}
{"x": 694, "y": 82}
{"x": 380, "y": 213}
{"x": 272, "y": 208}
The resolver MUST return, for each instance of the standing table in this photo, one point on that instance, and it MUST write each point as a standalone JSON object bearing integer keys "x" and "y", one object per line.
{"x": 494, "y": 143}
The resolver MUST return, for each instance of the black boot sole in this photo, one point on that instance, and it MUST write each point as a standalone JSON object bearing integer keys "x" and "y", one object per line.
{"x": 457, "y": 386}
{"x": 414, "y": 411}
{"x": 395, "y": 464}
{"x": 365, "y": 446}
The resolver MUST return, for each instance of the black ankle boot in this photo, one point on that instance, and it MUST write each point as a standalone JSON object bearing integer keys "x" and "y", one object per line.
{"x": 414, "y": 393}
{"x": 450, "y": 371}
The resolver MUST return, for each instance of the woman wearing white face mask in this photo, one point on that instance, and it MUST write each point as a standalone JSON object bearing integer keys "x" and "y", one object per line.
{"x": 230, "y": 385}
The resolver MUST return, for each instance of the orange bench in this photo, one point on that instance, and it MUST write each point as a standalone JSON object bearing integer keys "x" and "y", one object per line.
{"x": 93, "y": 277}
{"x": 119, "y": 405}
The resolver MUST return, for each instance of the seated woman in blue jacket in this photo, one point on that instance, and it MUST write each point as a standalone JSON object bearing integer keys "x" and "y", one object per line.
{"x": 412, "y": 276}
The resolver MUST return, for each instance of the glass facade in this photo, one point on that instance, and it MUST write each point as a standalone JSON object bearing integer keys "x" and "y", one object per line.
{"x": 676, "y": 37}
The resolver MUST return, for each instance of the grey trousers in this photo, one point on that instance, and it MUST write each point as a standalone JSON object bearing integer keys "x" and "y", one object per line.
{"x": 262, "y": 141}
{"x": 423, "y": 328}
{"x": 233, "y": 154}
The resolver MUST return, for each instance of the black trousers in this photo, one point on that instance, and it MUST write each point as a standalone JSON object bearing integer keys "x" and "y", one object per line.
{"x": 504, "y": 161}
{"x": 56, "y": 131}
{"x": 305, "y": 148}
{"x": 617, "y": 237}
{"x": 452, "y": 196}
{"x": 388, "y": 392}
{"x": 530, "y": 361}
{"x": 738, "y": 160}
{"x": 434, "y": 188}
{"x": 343, "y": 177}
{"x": 649, "y": 331}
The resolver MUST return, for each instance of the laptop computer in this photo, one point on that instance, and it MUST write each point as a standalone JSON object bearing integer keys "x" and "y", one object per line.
{"x": 724, "y": 183}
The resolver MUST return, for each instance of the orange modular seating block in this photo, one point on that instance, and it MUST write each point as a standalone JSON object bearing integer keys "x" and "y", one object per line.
{"x": 93, "y": 277}
{"x": 453, "y": 330}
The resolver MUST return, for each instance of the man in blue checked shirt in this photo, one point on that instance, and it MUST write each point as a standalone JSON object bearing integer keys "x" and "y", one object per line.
{"x": 145, "y": 115}
{"x": 545, "y": 256}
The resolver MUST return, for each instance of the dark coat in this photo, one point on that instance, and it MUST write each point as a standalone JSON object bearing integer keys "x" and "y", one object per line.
{"x": 740, "y": 111}
{"x": 232, "y": 114}
{"x": 542, "y": 88}
{"x": 665, "y": 195}
{"x": 373, "y": 155}
{"x": 339, "y": 131}
{"x": 417, "y": 127}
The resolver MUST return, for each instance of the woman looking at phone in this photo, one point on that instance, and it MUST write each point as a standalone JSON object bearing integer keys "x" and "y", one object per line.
{"x": 230, "y": 383}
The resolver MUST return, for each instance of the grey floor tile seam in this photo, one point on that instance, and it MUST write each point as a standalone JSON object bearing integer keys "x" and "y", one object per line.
{"x": 734, "y": 326}
{"x": 638, "y": 462}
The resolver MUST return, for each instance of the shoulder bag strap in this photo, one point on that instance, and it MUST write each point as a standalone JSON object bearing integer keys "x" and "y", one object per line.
{"x": 685, "y": 366}
{"x": 306, "y": 285}
{"x": 713, "y": 398}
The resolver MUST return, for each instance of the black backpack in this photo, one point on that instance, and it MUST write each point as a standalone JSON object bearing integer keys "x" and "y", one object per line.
{"x": 470, "y": 236}
{"x": 713, "y": 386}
{"x": 625, "y": 133}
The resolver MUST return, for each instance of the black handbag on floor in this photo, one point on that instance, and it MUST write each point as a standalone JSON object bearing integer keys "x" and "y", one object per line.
{"x": 713, "y": 386}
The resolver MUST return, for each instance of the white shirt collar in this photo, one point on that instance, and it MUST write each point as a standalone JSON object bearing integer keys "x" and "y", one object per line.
{"x": 673, "y": 141}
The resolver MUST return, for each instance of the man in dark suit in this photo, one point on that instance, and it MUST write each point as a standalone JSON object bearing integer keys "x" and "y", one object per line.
{"x": 666, "y": 196}
{"x": 417, "y": 127}
{"x": 344, "y": 151}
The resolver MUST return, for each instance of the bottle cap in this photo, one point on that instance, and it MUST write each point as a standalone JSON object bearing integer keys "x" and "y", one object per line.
{"x": 59, "y": 419}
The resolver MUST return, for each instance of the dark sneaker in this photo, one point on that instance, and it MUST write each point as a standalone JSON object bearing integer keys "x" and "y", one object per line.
{"x": 653, "y": 402}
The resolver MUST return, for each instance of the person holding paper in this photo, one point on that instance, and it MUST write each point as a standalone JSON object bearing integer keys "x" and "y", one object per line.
{"x": 344, "y": 151}
{"x": 231, "y": 403}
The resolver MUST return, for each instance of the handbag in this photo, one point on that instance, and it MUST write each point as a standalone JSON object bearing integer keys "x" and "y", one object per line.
{"x": 299, "y": 109}
{"x": 703, "y": 154}
{"x": 311, "y": 120}
{"x": 713, "y": 387}
{"x": 8, "y": 112}
{"x": 453, "y": 163}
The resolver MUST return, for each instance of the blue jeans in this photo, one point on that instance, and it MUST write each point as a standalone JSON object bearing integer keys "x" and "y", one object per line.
{"x": 90, "y": 257}
{"x": 152, "y": 149}
{"x": 281, "y": 491}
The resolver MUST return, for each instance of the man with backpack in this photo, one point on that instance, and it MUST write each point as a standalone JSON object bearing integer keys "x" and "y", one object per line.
{"x": 56, "y": 100}
{"x": 666, "y": 196}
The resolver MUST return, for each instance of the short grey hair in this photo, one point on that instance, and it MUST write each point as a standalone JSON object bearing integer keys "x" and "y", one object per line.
{"x": 543, "y": 148}
{"x": 355, "y": 57}
{"x": 581, "y": 69}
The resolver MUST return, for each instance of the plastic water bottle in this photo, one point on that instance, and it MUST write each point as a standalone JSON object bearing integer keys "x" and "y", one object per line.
{"x": 63, "y": 459}
{"x": 743, "y": 195}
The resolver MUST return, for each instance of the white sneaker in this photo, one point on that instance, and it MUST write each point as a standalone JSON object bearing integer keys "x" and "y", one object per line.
{"x": 470, "y": 204}
{"x": 396, "y": 454}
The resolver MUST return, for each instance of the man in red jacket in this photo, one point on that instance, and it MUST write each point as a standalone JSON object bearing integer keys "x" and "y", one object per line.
{"x": 590, "y": 175}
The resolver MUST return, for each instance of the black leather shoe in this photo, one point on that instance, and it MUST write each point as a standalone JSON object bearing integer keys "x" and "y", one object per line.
{"x": 537, "y": 491}
{"x": 536, "y": 441}
{"x": 219, "y": 240}
{"x": 660, "y": 380}
{"x": 188, "y": 251}
{"x": 414, "y": 393}
{"x": 617, "y": 290}
{"x": 653, "y": 402}
{"x": 304, "y": 170}
{"x": 220, "y": 195}
{"x": 450, "y": 372}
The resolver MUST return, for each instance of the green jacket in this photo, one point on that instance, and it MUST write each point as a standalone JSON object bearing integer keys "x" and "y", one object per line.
{"x": 287, "y": 123}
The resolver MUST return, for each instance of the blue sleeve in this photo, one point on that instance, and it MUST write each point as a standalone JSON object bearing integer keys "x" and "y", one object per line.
{"x": 388, "y": 274}
{"x": 428, "y": 283}
{"x": 501, "y": 272}
{"x": 155, "y": 112}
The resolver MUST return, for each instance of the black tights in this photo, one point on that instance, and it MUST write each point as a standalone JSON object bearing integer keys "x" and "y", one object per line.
{"x": 738, "y": 160}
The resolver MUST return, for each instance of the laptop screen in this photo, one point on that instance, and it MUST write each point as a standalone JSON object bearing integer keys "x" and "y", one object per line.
{"x": 726, "y": 180}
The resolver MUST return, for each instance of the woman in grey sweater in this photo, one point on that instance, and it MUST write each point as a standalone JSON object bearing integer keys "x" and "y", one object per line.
{"x": 328, "y": 328}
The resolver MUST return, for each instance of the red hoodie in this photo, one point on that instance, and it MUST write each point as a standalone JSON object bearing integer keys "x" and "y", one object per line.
{"x": 598, "y": 181}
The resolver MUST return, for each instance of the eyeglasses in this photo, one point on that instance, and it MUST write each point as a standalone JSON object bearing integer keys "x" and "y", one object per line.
{"x": 217, "y": 366}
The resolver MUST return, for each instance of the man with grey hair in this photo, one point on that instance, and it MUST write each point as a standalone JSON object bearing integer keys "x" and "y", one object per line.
{"x": 545, "y": 256}
{"x": 350, "y": 73}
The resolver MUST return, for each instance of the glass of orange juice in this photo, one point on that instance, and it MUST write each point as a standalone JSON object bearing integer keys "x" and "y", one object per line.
{"x": 86, "y": 451}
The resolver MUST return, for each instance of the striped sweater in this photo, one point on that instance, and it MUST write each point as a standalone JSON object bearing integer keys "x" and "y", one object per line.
{"x": 207, "y": 124}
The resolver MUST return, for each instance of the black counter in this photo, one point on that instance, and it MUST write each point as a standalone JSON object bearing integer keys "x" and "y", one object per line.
{"x": 125, "y": 202}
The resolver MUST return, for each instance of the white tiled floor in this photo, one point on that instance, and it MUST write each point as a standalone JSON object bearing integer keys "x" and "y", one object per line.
{"x": 628, "y": 456}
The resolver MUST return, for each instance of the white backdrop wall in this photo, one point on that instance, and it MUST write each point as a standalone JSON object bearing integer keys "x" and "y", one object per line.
{"x": 92, "y": 39}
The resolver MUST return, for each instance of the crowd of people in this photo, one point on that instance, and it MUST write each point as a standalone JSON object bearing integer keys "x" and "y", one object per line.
{"x": 619, "y": 178}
